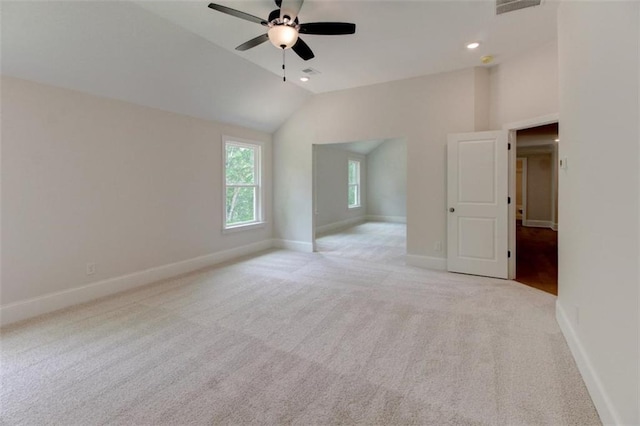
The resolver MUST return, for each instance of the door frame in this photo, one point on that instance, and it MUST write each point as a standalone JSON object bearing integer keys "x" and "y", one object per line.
{"x": 314, "y": 195}
{"x": 523, "y": 190}
{"x": 513, "y": 128}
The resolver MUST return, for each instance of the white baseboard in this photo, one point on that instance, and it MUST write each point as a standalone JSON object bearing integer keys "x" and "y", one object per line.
{"x": 601, "y": 400}
{"x": 25, "y": 309}
{"x": 293, "y": 245}
{"x": 427, "y": 262}
{"x": 347, "y": 223}
{"x": 392, "y": 219}
{"x": 539, "y": 224}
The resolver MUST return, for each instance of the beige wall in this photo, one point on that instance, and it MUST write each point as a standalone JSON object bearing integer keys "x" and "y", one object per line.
{"x": 331, "y": 174}
{"x": 540, "y": 143}
{"x": 539, "y": 202}
{"x": 539, "y": 179}
{"x": 599, "y": 233}
{"x": 421, "y": 110}
{"x": 482, "y": 98}
{"x": 387, "y": 181}
{"x": 89, "y": 179}
{"x": 524, "y": 87}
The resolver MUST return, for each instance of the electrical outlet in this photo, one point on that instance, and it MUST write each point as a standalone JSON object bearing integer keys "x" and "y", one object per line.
{"x": 91, "y": 268}
{"x": 438, "y": 246}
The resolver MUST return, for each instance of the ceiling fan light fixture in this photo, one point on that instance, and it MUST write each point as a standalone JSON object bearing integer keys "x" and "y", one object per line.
{"x": 283, "y": 28}
{"x": 283, "y": 36}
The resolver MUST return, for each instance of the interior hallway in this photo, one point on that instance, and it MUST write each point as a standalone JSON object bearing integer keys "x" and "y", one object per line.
{"x": 537, "y": 258}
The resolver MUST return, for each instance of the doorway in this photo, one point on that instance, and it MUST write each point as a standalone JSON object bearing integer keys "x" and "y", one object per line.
{"x": 359, "y": 199}
{"x": 536, "y": 207}
{"x": 479, "y": 241}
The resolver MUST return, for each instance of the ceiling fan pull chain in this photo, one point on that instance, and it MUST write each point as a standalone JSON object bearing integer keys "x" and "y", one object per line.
{"x": 284, "y": 72}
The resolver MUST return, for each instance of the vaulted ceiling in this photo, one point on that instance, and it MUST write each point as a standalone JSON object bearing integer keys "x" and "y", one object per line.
{"x": 179, "y": 55}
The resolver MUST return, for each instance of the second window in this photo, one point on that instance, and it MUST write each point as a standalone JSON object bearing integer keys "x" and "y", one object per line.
{"x": 354, "y": 183}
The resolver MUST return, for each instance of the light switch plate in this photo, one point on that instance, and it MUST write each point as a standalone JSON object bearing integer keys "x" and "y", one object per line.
{"x": 563, "y": 163}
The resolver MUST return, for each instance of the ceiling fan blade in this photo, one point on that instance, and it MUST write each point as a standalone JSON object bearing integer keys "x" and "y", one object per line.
{"x": 290, "y": 8}
{"x": 237, "y": 13}
{"x": 327, "y": 28}
{"x": 253, "y": 42}
{"x": 303, "y": 50}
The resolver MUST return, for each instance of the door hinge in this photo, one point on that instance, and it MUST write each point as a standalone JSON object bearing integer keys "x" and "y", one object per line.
{"x": 508, "y": 200}
{"x": 509, "y": 254}
{"x": 509, "y": 146}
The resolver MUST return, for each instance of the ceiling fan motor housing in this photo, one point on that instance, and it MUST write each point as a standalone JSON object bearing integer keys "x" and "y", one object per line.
{"x": 274, "y": 19}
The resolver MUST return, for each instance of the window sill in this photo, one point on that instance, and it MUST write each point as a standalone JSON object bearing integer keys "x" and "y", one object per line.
{"x": 354, "y": 207}
{"x": 247, "y": 227}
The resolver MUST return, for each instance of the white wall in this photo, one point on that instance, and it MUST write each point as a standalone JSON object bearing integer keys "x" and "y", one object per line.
{"x": 525, "y": 87}
{"x": 422, "y": 110}
{"x": 541, "y": 140}
{"x": 598, "y": 300}
{"x": 540, "y": 180}
{"x": 89, "y": 179}
{"x": 539, "y": 193}
{"x": 482, "y": 98}
{"x": 332, "y": 181}
{"x": 387, "y": 181}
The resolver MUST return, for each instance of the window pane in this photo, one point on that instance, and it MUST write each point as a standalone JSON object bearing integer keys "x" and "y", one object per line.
{"x": 240, "y": 164}
{"x": 241, "y": 205}
{"x": 353, "y": 172}
{"x": 353, "y": 195}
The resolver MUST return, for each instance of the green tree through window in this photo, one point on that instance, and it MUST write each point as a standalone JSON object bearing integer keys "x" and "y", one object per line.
{"x": 242, "y": 174}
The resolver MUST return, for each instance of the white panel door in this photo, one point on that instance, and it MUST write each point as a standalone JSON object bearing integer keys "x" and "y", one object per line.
{"x": 478, "y": 211}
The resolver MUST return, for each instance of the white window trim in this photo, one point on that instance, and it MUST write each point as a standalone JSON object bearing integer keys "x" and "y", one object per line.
{"x": 358, "y": 185}
{"x": 260, "y": 221}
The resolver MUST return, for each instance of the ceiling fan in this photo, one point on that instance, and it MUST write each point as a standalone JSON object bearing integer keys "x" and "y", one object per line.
{"x": 284, "y": 27}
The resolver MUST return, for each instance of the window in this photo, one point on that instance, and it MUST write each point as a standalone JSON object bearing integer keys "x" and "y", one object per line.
{"x": 243, "y": 191}
{"x": 354, "y": 183}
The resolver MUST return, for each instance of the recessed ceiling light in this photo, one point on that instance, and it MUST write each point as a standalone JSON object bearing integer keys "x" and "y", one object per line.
{"x": 473, "y": 45}
{"x": 557, "y": 140}
{"x": 304, "y": 79}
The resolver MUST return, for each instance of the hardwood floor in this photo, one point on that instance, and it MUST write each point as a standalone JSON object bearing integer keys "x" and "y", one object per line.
{"x": 537, "y": 258}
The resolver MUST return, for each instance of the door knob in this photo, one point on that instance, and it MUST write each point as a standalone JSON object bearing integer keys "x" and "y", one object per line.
{"x": 451, "y": 209}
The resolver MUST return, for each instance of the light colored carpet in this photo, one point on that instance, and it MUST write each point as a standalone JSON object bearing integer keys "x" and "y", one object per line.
{"x": 371, "y": 241}
{"x": 287, "y": 337}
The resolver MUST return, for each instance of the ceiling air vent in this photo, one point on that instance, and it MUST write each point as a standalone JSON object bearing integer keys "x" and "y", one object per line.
{"x": 310, "y": 71}
{"x": 504, "y": 6}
